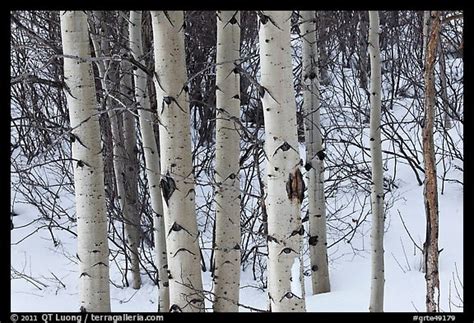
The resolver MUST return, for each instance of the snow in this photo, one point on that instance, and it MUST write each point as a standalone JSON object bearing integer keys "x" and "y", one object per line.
{"x": 36, "y": 256}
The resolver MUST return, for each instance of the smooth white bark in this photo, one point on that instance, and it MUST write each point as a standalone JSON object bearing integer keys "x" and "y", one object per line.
{"x": 152, "y": 159}
{"x": 284, "y": 179}
{"x": 227, "y": 193}
{"x": 314, "y": 157}
{"x": 377, "y": 196}
{"x": 93, "y": 250}
{"x": 177, "y": 180}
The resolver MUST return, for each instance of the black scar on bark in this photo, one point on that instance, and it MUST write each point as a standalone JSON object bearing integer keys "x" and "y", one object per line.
{"x": 261, "y": 91}
{"x": 289, "y": 295}
{"x": 177, "y": 227}
{"x": 314, "y": 268}
{"x": 320, "y": 154}
{"x": 236, "y": 247}
{"x": 175, "y": 309}
{"x": 80, "y": 163}
{"x": 308, "y": 166}
{"x": 306, "y": 217}
{"x": 196, "y": 301}
{"x": 83, "y": 309}
{"x": 191, "y": 190}
{"x": 263, "y": 18}
{"x": 270, "y": 238}
{"x": 232, "y": 176}
{"x": 182, "y": 249}
{"x": 287, "y": 250}
{"x": 313, "y": 240}
{"x": 295, "y": 186}
{"x": 284, "y": 146}
{"x": 300, "y": 231}
{"x": 168, "y": 186}
{"x": 84, "y": 274}
{"x": 167, "y": 100}
{"x": 233, "y": 20}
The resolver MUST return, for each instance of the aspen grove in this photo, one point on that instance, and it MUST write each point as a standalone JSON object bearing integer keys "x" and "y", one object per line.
{"x": 236, "y": 161}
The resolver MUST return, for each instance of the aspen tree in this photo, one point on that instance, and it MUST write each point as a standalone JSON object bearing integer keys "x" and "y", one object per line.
{"x": 426, "y": 32}
{"x": 177, "y": 178}
{"x": 93, "y": 249}
{"x": 430, "y": 246}
{"x": 285, "y": 189}
{"x": 314, "y": 157}
{"x": 109, "y": 75}
{"x": 227, "y": 193}
{"x": 377, "y": 195}
{"x": 152, "y": 158}
{"x": 132, "y": 221}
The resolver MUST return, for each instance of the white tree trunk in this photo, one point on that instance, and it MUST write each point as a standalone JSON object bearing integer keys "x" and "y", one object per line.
{"x": 177, "y": 180}
{"x": 93, "y": 250}
{"x": 227, "y": 193}
{"x": 314, "y": 157}
{"x": 284, "y": 179}
{"x": 152, "y": 159}
{"x": 377, "y": 196}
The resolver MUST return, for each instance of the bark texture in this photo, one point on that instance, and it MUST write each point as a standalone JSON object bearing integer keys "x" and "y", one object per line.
{"x": 93, "y": 250}
{"x": 177, "y": 178}
{"x": 285, "y": 189}
{"x": 314, "y": 157}
{"x": 430, "y": 245}
{"x": 426, "y": 33}
{"x": 152, "y": 158}
{"x": 109, "y": 74}
{"x": 377, "y": 194}
{"x": 227, "y": 191}
{"x": 130, "y": 178}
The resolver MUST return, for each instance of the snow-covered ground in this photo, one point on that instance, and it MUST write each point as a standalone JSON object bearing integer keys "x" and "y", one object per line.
{"x": 52, "y": 273}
